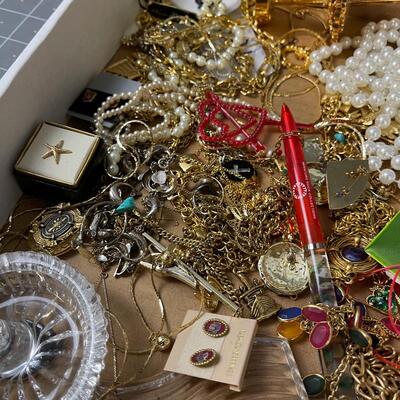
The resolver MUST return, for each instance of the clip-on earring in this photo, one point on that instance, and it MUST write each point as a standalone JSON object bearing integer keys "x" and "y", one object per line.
{"x": 204, "y": 357}
{"x": 215, "y": 327}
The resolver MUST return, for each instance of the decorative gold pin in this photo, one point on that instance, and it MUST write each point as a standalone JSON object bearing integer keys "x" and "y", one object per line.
{"x": 254, "y": 294}
{"x": 55, "y": 151}
{"x": 346, "y": 180}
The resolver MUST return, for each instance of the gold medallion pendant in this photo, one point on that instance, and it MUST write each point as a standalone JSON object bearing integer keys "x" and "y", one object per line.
{"x": 283, "y": 269}
{"x": 53, "y": 232}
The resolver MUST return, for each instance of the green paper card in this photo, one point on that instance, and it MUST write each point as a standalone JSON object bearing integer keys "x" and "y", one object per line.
{"x": 385, "y": 247}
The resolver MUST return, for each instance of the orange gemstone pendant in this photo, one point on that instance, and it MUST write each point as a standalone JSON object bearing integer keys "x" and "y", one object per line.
{"x": 290, "y": 330}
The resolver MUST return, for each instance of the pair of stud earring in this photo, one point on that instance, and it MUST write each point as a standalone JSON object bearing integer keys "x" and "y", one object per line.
{"x": 215, "y": 328}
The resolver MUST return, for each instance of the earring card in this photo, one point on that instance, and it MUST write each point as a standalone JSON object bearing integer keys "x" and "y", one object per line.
{"x": 233, "y": 349}
{"x": 272, "y": 374}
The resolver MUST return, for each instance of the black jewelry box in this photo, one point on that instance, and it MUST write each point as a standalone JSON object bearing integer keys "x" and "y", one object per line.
{"x": 60, "y": 163}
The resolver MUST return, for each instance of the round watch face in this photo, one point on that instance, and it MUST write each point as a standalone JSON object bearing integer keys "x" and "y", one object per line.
{"x": 283, "y": 269}
{"x": 57, "y": 225}
{"x": 54, "y": 232}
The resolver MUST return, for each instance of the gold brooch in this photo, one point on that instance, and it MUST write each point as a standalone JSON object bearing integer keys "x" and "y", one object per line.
{"x": 54, "y": 232}
{"x": 55, "y": 151}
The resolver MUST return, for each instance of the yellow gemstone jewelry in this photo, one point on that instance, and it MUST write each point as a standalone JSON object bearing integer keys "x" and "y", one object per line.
{"x": 290, "y": 330}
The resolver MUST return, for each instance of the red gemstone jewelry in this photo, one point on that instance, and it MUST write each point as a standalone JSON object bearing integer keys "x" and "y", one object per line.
{"x": 321, "y": 334}
{"x": 220, "y": 123}
{"x": 203, "y": 357}
{"x": 232, "y": 124}
{"x": 215, "y": 327}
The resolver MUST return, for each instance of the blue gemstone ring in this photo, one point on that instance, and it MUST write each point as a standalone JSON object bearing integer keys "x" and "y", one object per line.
{"x": 289, "y": 314}
{"x": 349, "y": 256}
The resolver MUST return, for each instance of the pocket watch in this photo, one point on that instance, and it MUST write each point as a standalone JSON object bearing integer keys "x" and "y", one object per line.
{"x": 53, "y": 232}
{"x": 283, "y": 269}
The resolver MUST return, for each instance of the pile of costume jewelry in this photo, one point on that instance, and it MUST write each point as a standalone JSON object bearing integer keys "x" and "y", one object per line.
{"x": 185, "y": 143}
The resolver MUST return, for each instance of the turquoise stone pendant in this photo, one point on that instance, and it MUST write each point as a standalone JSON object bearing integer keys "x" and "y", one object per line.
{"x": 339, "y": 137}
{"x": 127, "y": 205}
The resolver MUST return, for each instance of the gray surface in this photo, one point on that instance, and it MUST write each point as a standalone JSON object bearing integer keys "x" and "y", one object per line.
{"x": 9, "y": 21}
{"x": 20, "y": 21}
{"x": 46, "y": 8}
{"x": 9, "y": 52}
{"x": 22, "y": 6}
{"x": 28, "y": 30}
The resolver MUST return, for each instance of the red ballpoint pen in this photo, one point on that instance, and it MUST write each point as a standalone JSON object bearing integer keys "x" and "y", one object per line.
{"x": 311, "y": 235}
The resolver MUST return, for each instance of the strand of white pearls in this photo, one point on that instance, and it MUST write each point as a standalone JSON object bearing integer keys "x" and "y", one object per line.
{"x": 145, "y": 99}
{"x": 175, "y": 97}
{"x": 371, "y": 76}
{"x": 193, "y": 107}
{"x": 216, "y": 63}
{"x": 166, "y": 99}
{"x": 114, "y": 154}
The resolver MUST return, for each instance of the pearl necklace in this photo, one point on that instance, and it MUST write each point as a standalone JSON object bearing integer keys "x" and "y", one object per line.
{"x": 178, "y": 108}
{"x": 166, "y": 99}
{"x": 176, "y": 101}
{"x": 371, "y": 76}
{"x": 223, "y": 61}
{"x": 214, "y": 63}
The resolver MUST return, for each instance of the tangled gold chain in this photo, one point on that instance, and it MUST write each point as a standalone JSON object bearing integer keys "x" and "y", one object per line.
{"x": 226, "y": 233}
{"x": 337, "y": 14}
{"x": 183, "y": 35}
{"x": 374, "y": 379}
